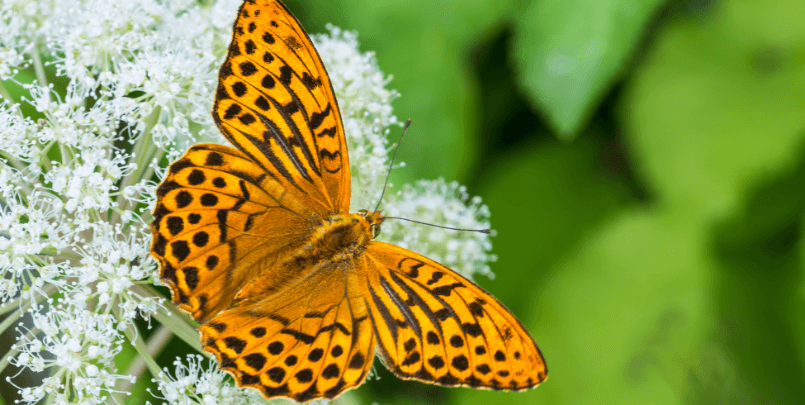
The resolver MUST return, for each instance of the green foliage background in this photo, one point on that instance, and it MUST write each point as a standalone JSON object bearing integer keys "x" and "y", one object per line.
{"x": 644, "y": 162}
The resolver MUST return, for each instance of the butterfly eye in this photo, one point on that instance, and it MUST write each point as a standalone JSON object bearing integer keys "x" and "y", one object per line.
{"x": 363, "y": 212}
{"x": 375, "y": 231}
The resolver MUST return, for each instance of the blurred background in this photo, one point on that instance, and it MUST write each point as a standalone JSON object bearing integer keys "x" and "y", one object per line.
{"x": 644, "y": 163}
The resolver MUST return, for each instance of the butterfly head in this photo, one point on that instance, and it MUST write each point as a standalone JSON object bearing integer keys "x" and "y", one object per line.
{"x": 372, "y": 221}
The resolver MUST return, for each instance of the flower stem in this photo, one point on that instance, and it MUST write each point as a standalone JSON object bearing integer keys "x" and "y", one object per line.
{"x": 142, "y": 350}
{"x": 40, "y": 69}
{"x": 184, "y": 327}
{"x": 7, "y": 96}
{"x": 155, "y": 345}
{"x": 13, "y": 317}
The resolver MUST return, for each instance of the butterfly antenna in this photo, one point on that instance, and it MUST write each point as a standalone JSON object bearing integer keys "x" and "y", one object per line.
{"x": 486, "y": 231}
{"x": 407, "y": 124}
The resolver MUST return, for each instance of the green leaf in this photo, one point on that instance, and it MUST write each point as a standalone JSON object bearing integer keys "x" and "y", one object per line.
{"x": 543, "y": 199}
{"x": 718, "y": 103}
{"x": 568, "y": 53}
{"x": 618, "y": 319}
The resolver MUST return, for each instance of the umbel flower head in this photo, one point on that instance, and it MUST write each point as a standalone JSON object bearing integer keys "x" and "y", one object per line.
{"x": 98, "y": 97}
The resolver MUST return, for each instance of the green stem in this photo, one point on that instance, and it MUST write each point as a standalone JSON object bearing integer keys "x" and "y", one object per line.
{"x": 155, "y": 345}
{"x": 178, "y": 322}
{"x": 6, "y": 95}
{"x": 40, "y": 69}
{"x": 142, "y": 350}
{"x": 13, "y": 317}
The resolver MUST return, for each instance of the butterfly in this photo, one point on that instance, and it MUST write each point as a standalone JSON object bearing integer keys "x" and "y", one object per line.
{"x": 292, "y": 293}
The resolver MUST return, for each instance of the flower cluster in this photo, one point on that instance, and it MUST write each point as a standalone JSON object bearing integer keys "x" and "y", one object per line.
{"x": 195, "y": 383}
{"x": 96, "y": 98}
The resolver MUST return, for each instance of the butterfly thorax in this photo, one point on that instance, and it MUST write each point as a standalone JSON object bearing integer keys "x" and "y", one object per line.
{"x": 341, "y": 236}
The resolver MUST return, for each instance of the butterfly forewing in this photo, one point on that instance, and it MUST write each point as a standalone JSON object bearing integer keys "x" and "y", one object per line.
{"x": 275, "y": 103}
{"x": 436, "y": 326}
{"x": 213, "y": 220}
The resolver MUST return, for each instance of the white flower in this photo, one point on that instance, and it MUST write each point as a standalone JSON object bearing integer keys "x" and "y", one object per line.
{"x": 445, "y": 204}
{"x": 195, "y": 384}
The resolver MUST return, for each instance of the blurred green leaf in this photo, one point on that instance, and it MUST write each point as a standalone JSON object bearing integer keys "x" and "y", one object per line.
{"x": 718, "y": 103}
{"x": 426, "y": 46}
{"x": 760, "y": 307}
{"x": 543, "y": 199}
{"x": 551, "y": 198}
{"x": 568, "y": 53}
{"x": 616, "y": 319}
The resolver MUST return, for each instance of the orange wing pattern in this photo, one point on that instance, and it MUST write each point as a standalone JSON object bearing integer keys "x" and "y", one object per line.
{"x": 214, "y": 219}
{"x": 436, "y": 326}
{"x": 275, "y": 103}
{"x": 312, "y": 339}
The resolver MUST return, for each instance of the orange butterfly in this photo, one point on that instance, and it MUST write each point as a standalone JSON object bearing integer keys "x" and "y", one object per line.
{"x": 293, "y": 294}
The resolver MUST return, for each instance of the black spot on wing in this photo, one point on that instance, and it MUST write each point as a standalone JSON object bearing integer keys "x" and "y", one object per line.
{"x": 412, "y": 358}
{"x": 286, "y": 73}
{"x": 445, "y": 290}
{"x": 239, "y": 88}
{"x": 317, "y": 118}
{"x": 357, "y": 361}
{"x": 191, "y": 277}
{"x": 179, "y": 165}
{"x": 309, "y": 81}
{"x": 262, "y": 103}
{"x": 247, "y": 68}
{"x": 330, "y": 132}
{"x": 167, "y": 187}
{"x": 255, "y": 360}
{"x": 249, "y": 45}
{"x": 235, "y": 344}
{"x": 175, "y": 225}
{"x": 180, "y": 250}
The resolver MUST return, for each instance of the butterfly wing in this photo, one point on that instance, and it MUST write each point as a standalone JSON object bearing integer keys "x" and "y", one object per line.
{"x": 436, "y": 326}
{"x": 311, "y": 339}
{"x": 213, "y": 221}
{"x": 275, "y": 103}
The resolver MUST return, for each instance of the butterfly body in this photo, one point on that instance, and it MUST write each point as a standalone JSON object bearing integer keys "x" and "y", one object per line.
{"x": 292, "y": 292}
{"x": 332, "y": 243}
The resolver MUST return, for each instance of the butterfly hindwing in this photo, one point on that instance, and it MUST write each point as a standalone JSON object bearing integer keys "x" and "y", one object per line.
{"x": 302, "y": 342}
{"x": 214, "y": 219}
{"x": 275, "y": 103}
{"x": 436, "y": 326}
